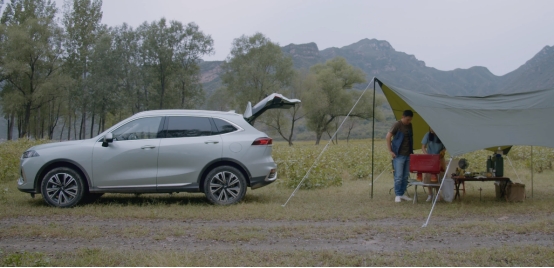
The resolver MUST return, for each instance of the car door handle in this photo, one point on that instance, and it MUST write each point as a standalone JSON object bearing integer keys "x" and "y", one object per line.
{"x": 214, "y": 142}
{"x": 148, "y": 147}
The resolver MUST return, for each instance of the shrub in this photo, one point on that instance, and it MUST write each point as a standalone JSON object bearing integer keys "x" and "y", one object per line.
{"x": 338, "y": 162}
{"x": 29, "y": 259}
{"x": 10, "y": 154}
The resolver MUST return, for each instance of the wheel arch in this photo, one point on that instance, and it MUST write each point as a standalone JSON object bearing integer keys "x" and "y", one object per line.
{"x": 223, "y": 162}
{"x": 60, "y": 163}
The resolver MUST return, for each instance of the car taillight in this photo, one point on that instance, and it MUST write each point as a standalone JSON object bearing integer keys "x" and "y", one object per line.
{"x": 263, "y": 141}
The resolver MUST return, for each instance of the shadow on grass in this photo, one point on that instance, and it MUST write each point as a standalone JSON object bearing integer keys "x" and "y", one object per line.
{"x": 141, "y": 200}
{"x": 151, "y": 199}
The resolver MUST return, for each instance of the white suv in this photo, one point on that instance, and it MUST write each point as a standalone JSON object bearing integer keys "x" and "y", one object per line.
{"x": 164, "y": 151}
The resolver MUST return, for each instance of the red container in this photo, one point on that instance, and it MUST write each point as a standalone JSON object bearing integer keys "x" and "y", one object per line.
{"x": 425, "y": 163}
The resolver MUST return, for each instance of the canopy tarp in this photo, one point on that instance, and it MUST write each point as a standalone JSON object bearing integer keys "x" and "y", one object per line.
{"x": 468, "y": 123}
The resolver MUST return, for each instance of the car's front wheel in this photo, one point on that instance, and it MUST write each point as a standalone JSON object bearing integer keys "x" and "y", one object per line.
{"x": 225, "y": 185}
{"x": 62, "y": 187}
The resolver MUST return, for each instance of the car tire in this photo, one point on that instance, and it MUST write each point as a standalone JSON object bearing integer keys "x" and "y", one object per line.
{"x": 225, "y": 185}
{"x": 62, "y": 187}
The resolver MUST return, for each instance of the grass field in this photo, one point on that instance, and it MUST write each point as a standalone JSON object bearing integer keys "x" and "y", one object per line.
{"x": 331, "y": 221}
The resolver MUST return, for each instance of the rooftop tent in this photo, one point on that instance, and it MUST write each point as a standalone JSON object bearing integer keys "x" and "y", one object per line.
{"x": 469, "y": 123}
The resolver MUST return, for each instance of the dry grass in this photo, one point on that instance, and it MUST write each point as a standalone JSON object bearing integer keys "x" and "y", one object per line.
{"x": 349, "y": 202}
{"x": 478, "y": 214}
{"x": 501, "y": 256}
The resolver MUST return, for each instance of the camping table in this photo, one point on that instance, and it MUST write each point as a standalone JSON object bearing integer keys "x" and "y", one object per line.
{"x": 461, "y": 179}
{"x": 419, "y": 183}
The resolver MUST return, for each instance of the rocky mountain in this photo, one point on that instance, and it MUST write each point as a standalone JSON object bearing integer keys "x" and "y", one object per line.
{"x": 378, "y": 58}
{"x": 304, "y": 56}
{"x": 537, "y": 73}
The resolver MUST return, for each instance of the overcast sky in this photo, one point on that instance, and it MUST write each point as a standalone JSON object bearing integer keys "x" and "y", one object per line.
{"x": 500, "y": 35}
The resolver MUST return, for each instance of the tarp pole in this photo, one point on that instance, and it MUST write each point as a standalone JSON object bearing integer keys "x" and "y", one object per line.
{"x": 373, "y": 139}
{"x": 437, "y": 195}
{"x": 515, "y": 171}
{"x": 385, "y": 170}
{"x": 532, "y": 166}
{"x": 327, "y": 145}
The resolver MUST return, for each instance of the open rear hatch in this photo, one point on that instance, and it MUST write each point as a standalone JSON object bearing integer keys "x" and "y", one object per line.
{"x": 273, "y": 101}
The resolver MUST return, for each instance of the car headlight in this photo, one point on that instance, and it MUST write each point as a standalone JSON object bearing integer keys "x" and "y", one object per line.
{"x": 30, "y": 153}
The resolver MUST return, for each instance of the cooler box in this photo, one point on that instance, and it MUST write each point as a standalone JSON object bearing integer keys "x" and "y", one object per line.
{"x": 425, "y": 163}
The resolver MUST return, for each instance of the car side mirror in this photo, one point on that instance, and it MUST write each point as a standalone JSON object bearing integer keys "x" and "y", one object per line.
{"x": 107, "y": 139}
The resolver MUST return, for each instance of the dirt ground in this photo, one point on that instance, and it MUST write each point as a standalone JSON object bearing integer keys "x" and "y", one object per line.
{"x": 393, "y": 235}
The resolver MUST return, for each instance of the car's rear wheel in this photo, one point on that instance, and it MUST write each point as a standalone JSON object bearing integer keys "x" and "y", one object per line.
{"x": 225, "y": 185}
{"x": 62, "y": 187}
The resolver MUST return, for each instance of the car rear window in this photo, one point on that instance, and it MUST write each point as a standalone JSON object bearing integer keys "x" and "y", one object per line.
{"x": 223, "y": 126}
{"x": 188, "y": 126}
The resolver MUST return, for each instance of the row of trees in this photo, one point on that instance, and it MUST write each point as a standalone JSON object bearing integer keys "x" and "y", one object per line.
{"x": 86, "y": 75}
{"x": 78, "y": 76}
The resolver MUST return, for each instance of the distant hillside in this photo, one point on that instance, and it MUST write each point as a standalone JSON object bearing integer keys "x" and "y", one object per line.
{"x": 210, "y": 72}
{"x": 379, "y": 59}
{"x": 536, "y": 73}
{"x": 303, "y": 56}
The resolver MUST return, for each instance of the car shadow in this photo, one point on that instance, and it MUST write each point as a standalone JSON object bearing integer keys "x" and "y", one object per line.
{"x": 151, "y": 199}
{"x": 139, "y": 200}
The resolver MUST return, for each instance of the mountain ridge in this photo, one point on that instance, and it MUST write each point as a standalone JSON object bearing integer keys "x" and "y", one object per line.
{"x": 378, "y": 58}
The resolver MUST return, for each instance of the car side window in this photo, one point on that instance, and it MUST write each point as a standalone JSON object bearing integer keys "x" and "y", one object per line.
{"x": 223, "y": 126}
{"x": 140, "y": 129}
{"x": 188, "y": 126}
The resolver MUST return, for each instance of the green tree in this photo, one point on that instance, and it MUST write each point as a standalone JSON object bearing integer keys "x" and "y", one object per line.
{"x": 171, "y": 52}
{"x": 193, "y": 45}
{"x": 284, "y": 121}
{"x": 219, "y": 100}
{"x": 333, "y": 96}
{"x": 18, "y": 11}
{"x": 104, "y": 71}
{"x": 11, "y": 101}
{"x": 255, "y": 68}
{"x": 81, "y": 20}
{"x": 30, "y": 58}
{"x": 132, "y": 76}
{"x": 158, "y": 44}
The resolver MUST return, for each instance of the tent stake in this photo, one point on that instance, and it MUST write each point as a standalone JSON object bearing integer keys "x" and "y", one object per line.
{"x": 532, "y": 166}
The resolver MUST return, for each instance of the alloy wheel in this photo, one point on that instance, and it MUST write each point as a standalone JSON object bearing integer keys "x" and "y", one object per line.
{"x": 62, "y": 188}
{"x": 225, "y": 186}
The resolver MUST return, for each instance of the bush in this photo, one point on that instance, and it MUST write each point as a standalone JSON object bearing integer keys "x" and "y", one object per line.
{"x": 29, "y": 259}
{"x": 353, "y": 161}
{"x": 10, "y": 154}
{"x": 520, "y": 157}
{"x": 338, "y": 163}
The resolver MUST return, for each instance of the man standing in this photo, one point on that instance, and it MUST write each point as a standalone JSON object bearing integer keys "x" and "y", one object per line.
{"x": 400, "y": 148}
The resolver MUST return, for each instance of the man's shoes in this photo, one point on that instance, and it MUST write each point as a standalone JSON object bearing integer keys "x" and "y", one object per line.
{"x": 397, "y": 199}
{"x": 429, "y": 198}
{"x": 405, "y": 198}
